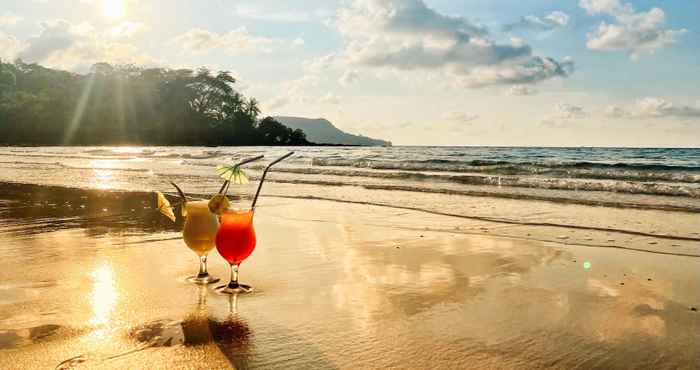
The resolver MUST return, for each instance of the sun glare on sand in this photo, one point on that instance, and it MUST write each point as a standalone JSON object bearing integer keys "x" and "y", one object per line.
{"x": 113, "y": 8}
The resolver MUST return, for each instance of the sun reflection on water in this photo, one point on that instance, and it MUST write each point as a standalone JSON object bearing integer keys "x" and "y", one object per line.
{"x": 102, "y": 174}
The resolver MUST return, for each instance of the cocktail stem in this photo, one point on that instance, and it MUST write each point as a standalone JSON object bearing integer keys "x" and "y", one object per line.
{"x": 203, "y": 267}
{"x": 233, "y": 284}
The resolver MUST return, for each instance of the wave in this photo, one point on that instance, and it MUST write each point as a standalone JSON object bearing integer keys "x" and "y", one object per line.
{"x": 46, "y": 165}
{"x": 583, "y": 170}
{"x": 690, "y": 208}
{"x": 435, "y": 181}
{"x": 648, "y": 188}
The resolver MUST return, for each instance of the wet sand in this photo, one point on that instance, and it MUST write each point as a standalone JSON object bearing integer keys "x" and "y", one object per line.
{"x": 347, "y": 286}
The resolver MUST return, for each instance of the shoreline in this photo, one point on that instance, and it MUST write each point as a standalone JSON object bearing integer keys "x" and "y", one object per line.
{"x": 508, "y": 204}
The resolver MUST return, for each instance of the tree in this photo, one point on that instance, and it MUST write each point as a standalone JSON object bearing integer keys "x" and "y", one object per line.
{"x": 298, "y": 137}
{"x": 127, "y": 104}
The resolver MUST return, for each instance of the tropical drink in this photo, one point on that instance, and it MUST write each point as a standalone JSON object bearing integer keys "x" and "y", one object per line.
{"x": 200, "y": 227}
{"x": 199, "y": 233}
{"x": 235, "y": 241}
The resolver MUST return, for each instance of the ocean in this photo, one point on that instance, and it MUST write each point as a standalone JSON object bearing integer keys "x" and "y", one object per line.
{"x": 646, "y": 178}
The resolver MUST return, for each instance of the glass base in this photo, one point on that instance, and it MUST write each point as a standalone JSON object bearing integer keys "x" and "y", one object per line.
{"x": 202, "y": 279}
{"x": 234, "y": 289}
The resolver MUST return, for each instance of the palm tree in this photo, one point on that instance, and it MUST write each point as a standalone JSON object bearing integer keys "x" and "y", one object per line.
{"x": 253, "y": 108}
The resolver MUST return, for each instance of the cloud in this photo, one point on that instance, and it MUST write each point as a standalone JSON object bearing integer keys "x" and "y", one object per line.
{"x": 288, "y": 16}
{"x": 237, "y": 41}
{"x": 535, "y": 70}
{"x": 61, "y": 44}
{"x": 408, "y": 35}
{"x": 329, "y": 98}
{"x": 9, "y": 20}
{"x": 521, "y": 90}
{"x": 126, "y": 29}
{"x": 348, "y": 78}
{"x": 320, "y": 64}
{"x": 635, "y": 33}
{"x": 459, "y": 117}
{"x": 10, "y": 47}
{"x": 549, "y": 22}
{"x": 296, "y": 91}
{"x": 653, "y": 107}
{"x": 54, "y": 36}
{"x": 563, "y": 114}
{"x": 277, "y": 102}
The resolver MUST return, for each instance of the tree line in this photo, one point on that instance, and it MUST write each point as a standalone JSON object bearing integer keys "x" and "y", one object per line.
{"x": 114, "y": 105}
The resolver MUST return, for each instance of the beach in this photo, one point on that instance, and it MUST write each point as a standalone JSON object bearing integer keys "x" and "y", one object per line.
{"x": 345, "y": 277}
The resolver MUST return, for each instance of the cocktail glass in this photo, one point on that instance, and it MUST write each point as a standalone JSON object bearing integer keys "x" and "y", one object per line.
{"x": 235, "y": 241}
{"x": 199, "y": 233}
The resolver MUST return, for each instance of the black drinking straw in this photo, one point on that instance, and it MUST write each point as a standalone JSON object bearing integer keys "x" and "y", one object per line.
{"x": 262, "y": 179}
{"x": 226, "y": 183}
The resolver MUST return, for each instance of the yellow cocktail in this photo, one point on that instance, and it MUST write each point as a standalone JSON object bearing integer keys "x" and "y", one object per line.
{"x": 199, "y": 234}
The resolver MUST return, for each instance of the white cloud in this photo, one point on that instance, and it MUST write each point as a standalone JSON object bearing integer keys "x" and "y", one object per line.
{"x": 633, "y": 32}
{"x": 563, "y": 114}
{"x": 277, "y": 103}
{"x": 126, "y": 29}
{"x": 521, "y": 90}
{"x": 407, "y": 35}
{"x": 605, "y": 6}
{"x": 535, "y": 70}
{"x": 654, "y": 107}
{"x": 320, "y": 64}
{"x": 553, "y": 20}
{"x": 55, "y": 36}
{"x": 289, "y": 16}
{"x": 459, "y": 117}
{"x": 296, "y": 91}
{"x": 61, "y": 44}
{"x": 559, "y": 18}
{"x": 9, "y": 20}
{"x": 10, "y": 47}
{"x": 329, "y": 98}
{"x": 349, "y": 77}
{"x": 198, "y": 40}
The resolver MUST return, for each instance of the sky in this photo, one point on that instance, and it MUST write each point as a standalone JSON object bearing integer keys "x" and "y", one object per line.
{"x": 416, "y": 72}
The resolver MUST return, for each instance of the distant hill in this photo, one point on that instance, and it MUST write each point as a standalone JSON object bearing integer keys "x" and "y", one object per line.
{"x": 321, "y": 131}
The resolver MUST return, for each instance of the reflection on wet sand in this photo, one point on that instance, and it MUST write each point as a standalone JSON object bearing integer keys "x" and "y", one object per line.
{"x": 408, "y": 278}
{"x": 33, "y": 209}
{"x": 104, "y": 294}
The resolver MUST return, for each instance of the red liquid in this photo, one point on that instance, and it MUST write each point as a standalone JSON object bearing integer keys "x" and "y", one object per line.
{"x": 235, "y": 239}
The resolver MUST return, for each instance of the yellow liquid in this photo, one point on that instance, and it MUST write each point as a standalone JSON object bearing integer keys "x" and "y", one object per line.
{"x": 200, "y": 227}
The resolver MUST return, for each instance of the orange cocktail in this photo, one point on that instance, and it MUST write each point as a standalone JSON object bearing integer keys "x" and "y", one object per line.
{"x": 235, "y": 241}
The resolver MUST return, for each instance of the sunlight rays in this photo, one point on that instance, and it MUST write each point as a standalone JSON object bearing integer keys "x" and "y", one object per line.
{"x": 79, "y": 110}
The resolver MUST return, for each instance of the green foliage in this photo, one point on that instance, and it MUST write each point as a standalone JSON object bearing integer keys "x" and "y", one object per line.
{"x": 115, "y": 105}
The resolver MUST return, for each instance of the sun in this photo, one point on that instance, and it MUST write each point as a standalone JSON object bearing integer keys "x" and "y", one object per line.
{"x": 113, "y": 8}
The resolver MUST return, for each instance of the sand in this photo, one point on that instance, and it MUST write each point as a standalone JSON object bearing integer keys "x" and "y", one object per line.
{"x": 347, "y": 286}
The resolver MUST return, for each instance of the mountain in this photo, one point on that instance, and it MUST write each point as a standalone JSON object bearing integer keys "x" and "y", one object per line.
{"x": 321, "y": 131}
